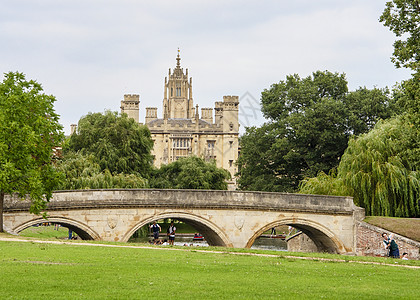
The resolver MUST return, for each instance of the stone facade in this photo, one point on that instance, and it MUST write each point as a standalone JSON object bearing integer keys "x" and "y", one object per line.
{"x": 181, "y": 132}
{"x": 300, "y": 242}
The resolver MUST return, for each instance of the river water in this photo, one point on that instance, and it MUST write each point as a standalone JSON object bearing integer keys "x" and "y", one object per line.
{"x": 264, "y": 243}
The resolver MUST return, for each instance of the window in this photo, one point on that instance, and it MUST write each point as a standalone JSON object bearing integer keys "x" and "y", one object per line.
{"x": 181, "y": 147}
{"x": 210, "y": 152}
{"x": 230, "y": 163}
{"x": 181, "y": 143}
{"x": 178, "y": 92}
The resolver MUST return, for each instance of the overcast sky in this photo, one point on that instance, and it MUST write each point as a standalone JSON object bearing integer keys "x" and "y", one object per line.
{"x": 89, "y": 53}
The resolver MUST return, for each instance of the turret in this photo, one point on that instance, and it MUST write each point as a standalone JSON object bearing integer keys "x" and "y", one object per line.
{"x": 230, "y": 114}
{"x": 130, "y": 105}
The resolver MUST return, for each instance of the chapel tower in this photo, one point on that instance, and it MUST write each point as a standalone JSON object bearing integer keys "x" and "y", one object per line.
{"x": 177, "y": 100}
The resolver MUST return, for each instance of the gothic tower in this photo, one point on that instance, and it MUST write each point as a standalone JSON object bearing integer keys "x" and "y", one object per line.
{"x": 178, "y": 93}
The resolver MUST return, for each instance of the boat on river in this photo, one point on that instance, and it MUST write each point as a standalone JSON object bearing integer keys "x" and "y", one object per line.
{"x": 277, "y": 236}
{"x": 198, "y": 237}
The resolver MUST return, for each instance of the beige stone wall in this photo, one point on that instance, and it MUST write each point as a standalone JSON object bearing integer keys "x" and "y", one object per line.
{"x": 300, "y": 242}
{"x": 233, "y": 219}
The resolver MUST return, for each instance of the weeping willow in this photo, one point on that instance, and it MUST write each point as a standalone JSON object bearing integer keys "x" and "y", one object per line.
{"x": 82, "y": 172}
{"x": 377, "y": 171}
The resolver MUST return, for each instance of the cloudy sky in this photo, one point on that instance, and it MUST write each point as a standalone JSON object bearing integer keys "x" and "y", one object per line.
{"x": 89, "y": 53}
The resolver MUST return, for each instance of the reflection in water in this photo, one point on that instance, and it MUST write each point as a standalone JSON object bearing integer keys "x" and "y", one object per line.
{"x": 263, "y": 243}
{"x": 267, "y": 243}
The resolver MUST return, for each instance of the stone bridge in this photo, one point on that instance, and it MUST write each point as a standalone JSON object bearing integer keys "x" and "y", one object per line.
{"x": 225, "y": 218}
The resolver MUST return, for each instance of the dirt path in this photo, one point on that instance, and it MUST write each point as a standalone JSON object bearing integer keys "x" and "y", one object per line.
{"x": 75, "y": 243}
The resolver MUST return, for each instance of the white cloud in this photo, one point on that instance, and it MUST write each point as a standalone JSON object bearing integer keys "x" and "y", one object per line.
{"x": 90, "y": 53}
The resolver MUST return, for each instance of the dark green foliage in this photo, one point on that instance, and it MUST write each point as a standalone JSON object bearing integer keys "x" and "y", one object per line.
{"x": 366, "y": 107}
{"x": 311, "y": 120}
{"x": 29, "y": 131}
{"x": 402, "y": 17}
{"x": 118, "y": 143}
{"x": 190, "y": 173}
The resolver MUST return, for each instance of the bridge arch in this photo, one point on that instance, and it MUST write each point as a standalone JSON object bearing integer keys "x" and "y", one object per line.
{"x": 324, "y": 239}
{"x": 213, "y": 234}
{"x": 82, "y": 230}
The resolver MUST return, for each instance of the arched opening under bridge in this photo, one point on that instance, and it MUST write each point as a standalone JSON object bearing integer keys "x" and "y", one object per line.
{"x": 211, "y": 232}
{"x": 83, "y": 231}
{"x": 322, "y": 237}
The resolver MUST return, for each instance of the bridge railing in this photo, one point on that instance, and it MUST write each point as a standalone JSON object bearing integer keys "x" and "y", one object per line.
{"x": 82, "y": 199}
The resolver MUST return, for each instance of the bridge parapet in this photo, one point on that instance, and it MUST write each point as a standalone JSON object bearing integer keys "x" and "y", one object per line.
{"x": 82, "y": 199}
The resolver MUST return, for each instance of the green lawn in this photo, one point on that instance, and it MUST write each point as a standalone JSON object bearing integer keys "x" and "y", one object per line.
{"x": 49, "y": 232}
{"x": 408, "y": 227}
{"x": 47, "y": 271}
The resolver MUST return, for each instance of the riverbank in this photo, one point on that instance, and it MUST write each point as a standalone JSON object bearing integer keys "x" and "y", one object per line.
{"x": 36, "y": 269}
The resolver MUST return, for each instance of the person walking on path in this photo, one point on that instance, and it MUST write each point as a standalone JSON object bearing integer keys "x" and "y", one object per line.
{"x": 155, "y": 229}
{"x": 391, "y": 245}
{"x": 171, "y": 233}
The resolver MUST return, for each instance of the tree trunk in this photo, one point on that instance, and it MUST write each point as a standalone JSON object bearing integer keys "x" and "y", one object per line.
{"x": 1, "y": 211}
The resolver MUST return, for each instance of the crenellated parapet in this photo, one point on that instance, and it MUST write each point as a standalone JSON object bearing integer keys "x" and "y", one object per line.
{"x": 131, "y": 105}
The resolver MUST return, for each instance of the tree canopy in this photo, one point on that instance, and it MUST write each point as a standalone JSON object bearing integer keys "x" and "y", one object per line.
{"x": 381, "y": 169}
{"x": 402, "y": 17}
{"x": 377, "y": 170}
{"x": 118, "y": 143}
{"x": 190, "y": 173}
{"x": 29, "y": 132}
{"x": 310, "y": 122}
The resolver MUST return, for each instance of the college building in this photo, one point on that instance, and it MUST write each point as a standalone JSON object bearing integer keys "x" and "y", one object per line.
{"x": 182, "y": 130}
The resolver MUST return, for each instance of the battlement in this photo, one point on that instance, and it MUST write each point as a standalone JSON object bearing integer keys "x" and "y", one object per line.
{"x": 130, "y": 106}
{"x": 230, "y": 99}
{"x": 218, "y": 104}
{"x": 131, "y": 97}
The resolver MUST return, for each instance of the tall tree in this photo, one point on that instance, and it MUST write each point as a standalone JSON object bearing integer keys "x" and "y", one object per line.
{"x": 29, "y": 131}
{"x": 310, "y": 122}
{"x": 381, "y": 169}
{"x": 118, "y": 143}
{"x": 402, "y": 17}
{"x": 366, "y": 107}
{"x": 377, "y": 170}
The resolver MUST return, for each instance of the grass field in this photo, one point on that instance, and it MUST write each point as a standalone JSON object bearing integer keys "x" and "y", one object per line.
{"x": 47, "y": 271}
{"x": 408, "y": 227}
{"x": 46, "y": 232}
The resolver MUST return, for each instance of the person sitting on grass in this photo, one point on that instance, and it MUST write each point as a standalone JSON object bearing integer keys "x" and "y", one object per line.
{"x": 404, "y": 256}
